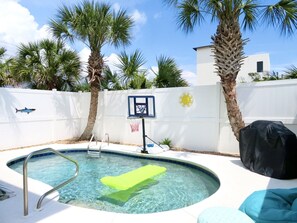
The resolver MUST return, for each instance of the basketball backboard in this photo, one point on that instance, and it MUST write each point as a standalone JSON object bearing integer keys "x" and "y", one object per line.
{"x": 141, "y": 107}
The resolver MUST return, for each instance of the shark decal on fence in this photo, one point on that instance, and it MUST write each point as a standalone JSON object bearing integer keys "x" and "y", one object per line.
{"x": 25, "y": 110}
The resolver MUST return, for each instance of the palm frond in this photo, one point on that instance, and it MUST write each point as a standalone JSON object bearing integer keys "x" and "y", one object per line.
{"x": 250, "y": 11}
{"x": 2, "y": 52}
{"x": 47, "y": 64}
{"x": 291, "y": 72}
{"x": 282, "y": 15}
{"x": 168, "y": 75}
{"x": 171, "y": 2}
{"x": 189, "y": 15}
{"x": 130, "y": 65}
{"x": 120, "y": 28}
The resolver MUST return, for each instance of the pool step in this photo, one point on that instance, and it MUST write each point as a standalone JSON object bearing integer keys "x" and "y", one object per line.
{"x": 93, "y": 153}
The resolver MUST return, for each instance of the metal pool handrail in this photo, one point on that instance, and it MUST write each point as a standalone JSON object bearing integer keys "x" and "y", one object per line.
{"x": 106, "y": 134}
{"x": 97, "y": 153}
{"x": 25, "y": 178}
{"x": 91, "y": 141}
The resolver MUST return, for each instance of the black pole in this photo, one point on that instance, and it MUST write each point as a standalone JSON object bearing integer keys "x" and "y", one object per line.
{"x": 143, "y": 137}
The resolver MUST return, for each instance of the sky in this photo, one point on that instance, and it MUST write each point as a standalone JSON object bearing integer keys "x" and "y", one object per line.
{"x": 155, "y": 33}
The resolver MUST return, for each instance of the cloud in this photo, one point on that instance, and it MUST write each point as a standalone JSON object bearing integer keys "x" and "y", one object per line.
{"x": 152, "y": 72}
{"x": 139, "y": 17}
{"x": 190, "y": 77}
{"x": 17, "y": 25}
{"x": 84, "y": 56}
{"x": 110, "y": 60}
{"x": 158, "y": 15}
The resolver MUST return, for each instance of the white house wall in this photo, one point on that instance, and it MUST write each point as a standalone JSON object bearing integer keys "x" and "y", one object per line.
{"x": 205, "y": 67}
{"x": 250, "y": 66}
{"x": 206, "y": 74}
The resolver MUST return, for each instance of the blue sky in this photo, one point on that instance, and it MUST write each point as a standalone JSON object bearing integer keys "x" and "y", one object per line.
{"x": 155, "y": 33}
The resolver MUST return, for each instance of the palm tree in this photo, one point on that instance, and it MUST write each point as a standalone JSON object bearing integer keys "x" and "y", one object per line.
{"x": 130, "y": 68}
{"x": 96, "y": 25}
{"x": 291, "y": 72}
{"x": 130, "y": 74}
{"x": 111, "y": 80}
{"x": 46, "y": 65}
{"x": 228, "y": 43}
{"x": 2, "y": 67}
{"x": 6, "y": 64}
{"x": 140, "y": 81}
{"x": 168, "y": 74}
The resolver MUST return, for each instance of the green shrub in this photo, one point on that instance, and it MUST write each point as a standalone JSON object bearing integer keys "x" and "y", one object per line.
{"x": 166, "y": 141}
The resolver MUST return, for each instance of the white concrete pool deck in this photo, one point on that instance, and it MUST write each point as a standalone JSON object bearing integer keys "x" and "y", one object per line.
{"x": 236, "y": 184}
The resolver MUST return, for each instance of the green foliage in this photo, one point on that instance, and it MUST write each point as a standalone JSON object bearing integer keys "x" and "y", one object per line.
{"x": 110, "y": 80}
{"x": 2, "y": 67}
{"x": 140, "y": 82}
{"x": 82, "y": 86}
{"x": 228, "y": 44}
{"x": 281, "y": 15}
{"x": 291, "y": 73}
{"x": 255, "y": 76}
{"x": 95, "y": 24}
{"x": 167, "y": 141}
{"x": 47, "y": 64}
{"x": 131, "y": 71}
{"x": 132, "y": 75}
{"x": 168, "y": 74}
{"x": 6, "y": 75}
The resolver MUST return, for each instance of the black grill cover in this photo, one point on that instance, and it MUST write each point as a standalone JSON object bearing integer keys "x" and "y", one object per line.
{"x": 270, "y": 149}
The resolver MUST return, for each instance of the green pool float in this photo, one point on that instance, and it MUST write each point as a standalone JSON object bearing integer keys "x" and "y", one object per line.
{"x": 132, "y": 178}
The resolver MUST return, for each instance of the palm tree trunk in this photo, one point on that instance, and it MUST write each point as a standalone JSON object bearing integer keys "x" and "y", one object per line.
{"x": 229, "y": 55}
{"x": 92, "y": 114}
{"x": 233, "y": 111}
{"x": 94, "y": 71}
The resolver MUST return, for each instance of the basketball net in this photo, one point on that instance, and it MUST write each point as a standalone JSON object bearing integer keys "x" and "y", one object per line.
{"x": 134, "y": 126}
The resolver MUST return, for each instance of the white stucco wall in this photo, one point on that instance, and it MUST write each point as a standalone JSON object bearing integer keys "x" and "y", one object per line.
{"x": 250, "y": 66}
{"x": 206, "y": 70}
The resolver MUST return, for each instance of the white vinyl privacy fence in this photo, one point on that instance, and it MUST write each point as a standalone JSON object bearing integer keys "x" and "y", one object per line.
{"x": 193, "y": 118}
{"x": 57, "y": 116}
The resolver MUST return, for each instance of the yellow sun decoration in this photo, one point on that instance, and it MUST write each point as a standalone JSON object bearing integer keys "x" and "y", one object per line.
{"x": 186, "y": 100}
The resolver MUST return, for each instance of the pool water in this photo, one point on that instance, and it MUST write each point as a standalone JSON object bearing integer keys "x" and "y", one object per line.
{"x": 180, "y": 186}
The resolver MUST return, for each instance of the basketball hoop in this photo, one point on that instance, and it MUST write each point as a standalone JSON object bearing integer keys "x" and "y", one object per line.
{"x": 134, "y": 126}
{"x": 141, "y": 107}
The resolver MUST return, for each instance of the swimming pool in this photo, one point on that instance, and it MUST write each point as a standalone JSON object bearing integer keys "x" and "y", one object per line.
{"x": 182, "y": 185}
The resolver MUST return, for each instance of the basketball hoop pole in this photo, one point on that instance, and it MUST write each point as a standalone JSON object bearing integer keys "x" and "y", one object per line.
{"x": 143, "y": 136}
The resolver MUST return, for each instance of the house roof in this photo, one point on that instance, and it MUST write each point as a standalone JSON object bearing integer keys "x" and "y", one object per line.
{"x": 201, "y": 47}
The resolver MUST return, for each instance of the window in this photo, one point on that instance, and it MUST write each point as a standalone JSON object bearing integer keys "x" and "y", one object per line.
{"x": 260, "y": 66}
